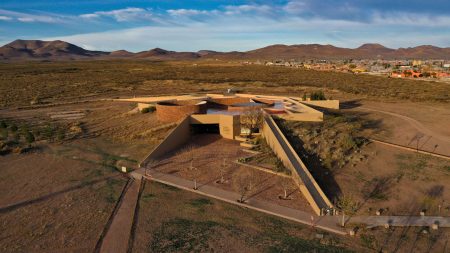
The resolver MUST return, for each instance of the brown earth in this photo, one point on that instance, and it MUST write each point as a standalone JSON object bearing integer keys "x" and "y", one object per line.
{"x": 51, "y": 202}
{"x": 187, "y": 222}
{"x": 384, "y": 177}
{"x": 59, "y": 195}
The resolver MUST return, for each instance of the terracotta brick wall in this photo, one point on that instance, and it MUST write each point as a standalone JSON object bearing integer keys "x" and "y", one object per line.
{"x": 172, "y": 112}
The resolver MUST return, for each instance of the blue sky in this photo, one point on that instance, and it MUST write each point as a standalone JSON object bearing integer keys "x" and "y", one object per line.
{"x": 226, "y": 25}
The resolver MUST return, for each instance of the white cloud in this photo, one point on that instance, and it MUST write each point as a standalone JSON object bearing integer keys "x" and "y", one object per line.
{"x": 295, "y": 7}
{"x": 189, "y": 12}
{"x": 25, "y": 17}
{"x": 122, "y": 15}
{"x": 410, "y": 19}
{"x": 245, "y": 27}
{"x": 5, "y": 18}
{"x": 239, "y": 9}
{"x": 90, "y": 15}
{"x": 246, "y": 32}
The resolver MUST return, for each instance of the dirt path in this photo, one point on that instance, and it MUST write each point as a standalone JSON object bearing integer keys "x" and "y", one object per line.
{"x": 416, "y": 124}
{"x": 118, "y": 234}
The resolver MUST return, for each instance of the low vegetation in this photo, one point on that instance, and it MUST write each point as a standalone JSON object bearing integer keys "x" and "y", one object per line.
{"x": 35, "y": 83}
{"x": 207, "y": 225}
{"x": 19, "y": 136}
{"x": 266, "y": 158}
{"x": 333, "y": 143}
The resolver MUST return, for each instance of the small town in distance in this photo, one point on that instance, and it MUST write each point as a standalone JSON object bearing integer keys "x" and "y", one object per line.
{"x": 415, "y": 69}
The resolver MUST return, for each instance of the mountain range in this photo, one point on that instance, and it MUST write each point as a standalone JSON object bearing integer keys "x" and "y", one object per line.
{"x": 61, "y": 50}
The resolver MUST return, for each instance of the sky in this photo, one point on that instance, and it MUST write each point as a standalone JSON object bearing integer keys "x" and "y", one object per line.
{"x": 138, "y": 25}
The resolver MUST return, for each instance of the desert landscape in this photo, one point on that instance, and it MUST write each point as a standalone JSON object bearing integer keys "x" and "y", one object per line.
{"x": 82, "y": 138}
{"x": 224, "y": 126}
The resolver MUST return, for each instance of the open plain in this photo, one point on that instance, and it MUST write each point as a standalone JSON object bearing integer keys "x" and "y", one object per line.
{"x": 60, "y": 190}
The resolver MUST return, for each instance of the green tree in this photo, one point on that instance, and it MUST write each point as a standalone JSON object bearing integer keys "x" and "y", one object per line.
{"x": 29, "y": 137}
{"x": 4, "y": 133}
{"x": 318, "y": 95}
{"x": 13, "y": 128}
{"x": 60, "y": 135}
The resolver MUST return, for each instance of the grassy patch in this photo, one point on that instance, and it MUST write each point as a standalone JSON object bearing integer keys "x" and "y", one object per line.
{"x": 182, "y": 235}
{"x": 412, "y": 165}
{"x": 169, "y": 187}
{"x": 368, "y": 241}
{"x": 200, "y": 202}
{"x": 110, "y": 190}
{"x": 295, "y": 244}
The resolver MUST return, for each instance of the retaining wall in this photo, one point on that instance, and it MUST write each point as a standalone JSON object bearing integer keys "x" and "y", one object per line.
{"x": 176, "y": 138}
{"x": 302, "y": 177}
{"x": 331, "y": 104}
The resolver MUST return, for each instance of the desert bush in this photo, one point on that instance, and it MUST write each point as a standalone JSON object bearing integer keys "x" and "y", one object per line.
{"x": 335, "y": 142}
{"x": 13, "y": 128}
{"x": 4, "y": 133}
{"x": 29, "y": 137}
{"x": 148, "y": 109}
{"x": 48, "y": 132}
{"x": 348, "y": 204}
{"x": 318, "y": 95}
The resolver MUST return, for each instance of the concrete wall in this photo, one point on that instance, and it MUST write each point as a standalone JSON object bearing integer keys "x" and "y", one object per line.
{"x": 303, "y": 178}
{"x": 205, "y": 119}
{"x": 314, "y": 117}
{"x": 331, "y": 104}
{"x": 229, "y": 125}
{"x": 300, "y": 112}
{"x": 176, "y": 138}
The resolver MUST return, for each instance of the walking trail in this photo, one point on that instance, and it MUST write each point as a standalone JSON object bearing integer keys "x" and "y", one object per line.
{"x": 328, "y": 223}
{"x": 416, "y": 124}
{"x": 119, "y": 232}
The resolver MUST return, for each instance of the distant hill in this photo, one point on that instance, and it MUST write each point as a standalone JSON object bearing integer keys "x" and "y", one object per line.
{"x": 60, "y": 50}
{"x": 366, "y": 51}
{"x": 158, "y": 53}
{"x": 38, "y": 49}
